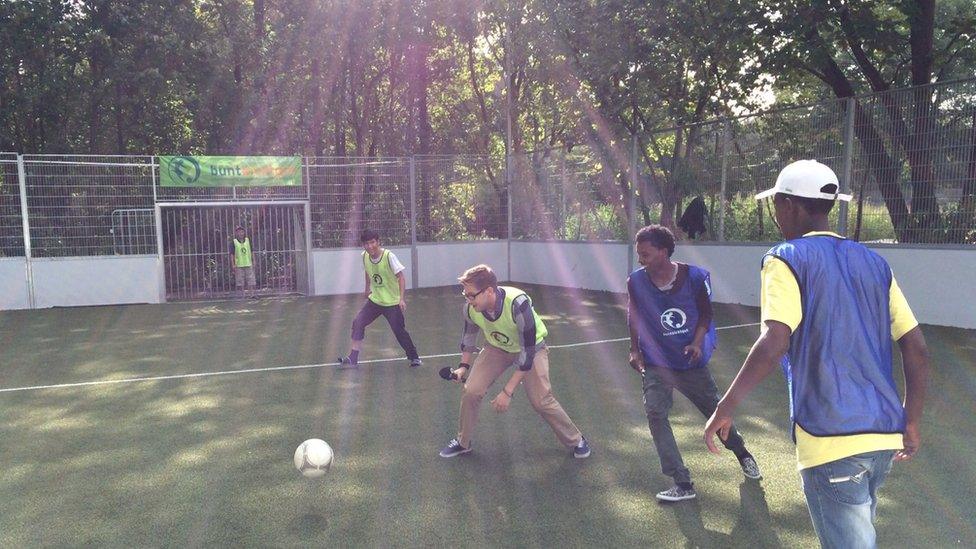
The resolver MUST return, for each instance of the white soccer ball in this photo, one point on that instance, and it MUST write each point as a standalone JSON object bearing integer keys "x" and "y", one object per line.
{"x": 313, "y": 457}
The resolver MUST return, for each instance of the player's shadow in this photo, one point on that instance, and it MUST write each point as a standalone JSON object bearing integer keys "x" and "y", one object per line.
{"x": 311, "y": 524}
{"x": 753, "y": 526}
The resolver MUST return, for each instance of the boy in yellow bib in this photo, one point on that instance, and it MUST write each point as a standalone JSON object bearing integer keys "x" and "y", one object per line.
{"x": 514, "y": 334}
{"x": 385, "y": 291}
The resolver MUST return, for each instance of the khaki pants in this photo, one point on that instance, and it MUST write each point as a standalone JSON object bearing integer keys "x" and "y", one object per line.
{"x": 489, "y": 366}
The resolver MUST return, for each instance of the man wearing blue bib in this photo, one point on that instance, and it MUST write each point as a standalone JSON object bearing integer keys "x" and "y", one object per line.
{"x": 833, "y": 308}
{"x": 672, "y": 337}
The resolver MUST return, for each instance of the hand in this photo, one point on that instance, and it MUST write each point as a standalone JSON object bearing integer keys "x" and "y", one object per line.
{"x": 403, "y": 305}
{"x": 911, "y": 441}
{"x": 693, "y": 352}
{"x": 459, "y": 374}
{"x": 721, "y": 423}
{"x": 500, "y": 403}
{"x": 637, "y": 361}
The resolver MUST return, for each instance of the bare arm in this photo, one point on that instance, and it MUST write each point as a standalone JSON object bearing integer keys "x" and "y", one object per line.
{"x": 915, "y": 358}
{"x": 401, "y": 280}
{"x": 763, "y": 358}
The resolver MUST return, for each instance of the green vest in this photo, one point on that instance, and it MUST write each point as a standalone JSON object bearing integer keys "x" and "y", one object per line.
{"x": 242, "y": 252}
{"x": 503, "y": 333}
{"x": 384, "y": 288}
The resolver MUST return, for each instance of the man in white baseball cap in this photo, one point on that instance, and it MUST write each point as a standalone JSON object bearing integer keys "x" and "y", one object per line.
{"x": 809, "y": 179}
{"x": 833, "y": 308}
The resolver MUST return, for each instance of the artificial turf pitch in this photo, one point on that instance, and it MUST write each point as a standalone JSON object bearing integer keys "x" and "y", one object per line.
{"x": 207, "y": 461}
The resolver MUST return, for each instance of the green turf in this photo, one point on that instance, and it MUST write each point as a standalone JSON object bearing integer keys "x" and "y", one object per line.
{"x": 208, "y": 461}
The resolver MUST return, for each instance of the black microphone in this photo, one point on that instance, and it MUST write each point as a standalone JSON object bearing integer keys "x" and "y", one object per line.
{"x": 447, "y": 374}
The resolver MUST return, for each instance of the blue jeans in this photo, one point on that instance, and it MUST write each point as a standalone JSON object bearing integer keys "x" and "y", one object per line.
{"x": 842, "y": 497}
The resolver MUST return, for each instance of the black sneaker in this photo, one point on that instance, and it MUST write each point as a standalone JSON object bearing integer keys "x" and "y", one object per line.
{"x": 454, "y": 449}
{"x": 346, "y": 364}
{"x": 416, "y": 362}
{"x": 677, "y": 493}
{"x": 582, "y": 450}
{"x": 750, "y": 468}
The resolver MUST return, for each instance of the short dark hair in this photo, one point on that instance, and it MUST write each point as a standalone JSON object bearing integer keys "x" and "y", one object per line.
{"x": 367, "y": 235}
{"x": 658, "y": 236}
{"x": 813, "y": 206}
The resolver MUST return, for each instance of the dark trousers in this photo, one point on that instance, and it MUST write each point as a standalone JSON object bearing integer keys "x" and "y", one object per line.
{"x": 696, "y": 384}
{"x": 394, "y": 316}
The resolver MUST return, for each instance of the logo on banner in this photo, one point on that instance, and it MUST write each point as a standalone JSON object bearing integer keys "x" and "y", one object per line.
{"x": 185, "y": 169}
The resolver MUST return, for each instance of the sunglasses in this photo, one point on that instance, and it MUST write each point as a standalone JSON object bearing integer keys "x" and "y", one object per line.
{"x": 471, "y": 297}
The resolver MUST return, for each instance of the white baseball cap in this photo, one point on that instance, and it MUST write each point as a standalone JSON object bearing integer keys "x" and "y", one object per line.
{"x": 806, "y": 178}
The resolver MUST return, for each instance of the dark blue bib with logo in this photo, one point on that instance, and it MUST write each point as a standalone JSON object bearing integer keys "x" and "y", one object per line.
{"x": 667, "y": 319}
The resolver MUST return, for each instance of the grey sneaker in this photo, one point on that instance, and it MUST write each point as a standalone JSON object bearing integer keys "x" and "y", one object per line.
{"x": 416, "y": 362}
{"x": 346, "y": 364}
{"x": 676, "y": 493}
{"x": 750, "y": 468}
{"x": 453, "y": 449}
{"x": 582, "y": 450}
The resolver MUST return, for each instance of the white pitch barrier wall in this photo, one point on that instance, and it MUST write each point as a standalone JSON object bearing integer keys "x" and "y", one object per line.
{"x": 14, "y": 292}
{"x": 587, "y": 265}
{"x": 440, "y": 264}
{"x": 340, "y": 271}
{"x": 108, "y": 280}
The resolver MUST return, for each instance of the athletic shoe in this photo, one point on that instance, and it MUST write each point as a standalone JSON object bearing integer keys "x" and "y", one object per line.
{"x": 416, "y": 362}
{"x": 453, "y": 449}
{"x": 346, "y": 364}
{"x": 677, "y": 493}
{"x": 582, "y": 450}
{"x": 750, "y": 468}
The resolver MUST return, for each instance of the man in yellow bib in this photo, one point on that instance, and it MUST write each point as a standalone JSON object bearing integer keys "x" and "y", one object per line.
{"x": 243, "y": 262}
{"x": 514, "y": 334}
{"x": 385, "y": 291}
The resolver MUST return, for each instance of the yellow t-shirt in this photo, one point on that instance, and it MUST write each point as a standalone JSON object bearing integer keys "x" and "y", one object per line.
{"x": 779, "y": 299}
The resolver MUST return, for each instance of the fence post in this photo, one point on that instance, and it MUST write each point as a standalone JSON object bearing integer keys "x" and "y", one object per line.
{"x": 724, "y": 184}
{"x": 508, "y": 208}
{"x": 632, "y": 199}
{"x": 845, "y": 180}
{"x": 25, "y": 220}
{"x": 414, "y": 274}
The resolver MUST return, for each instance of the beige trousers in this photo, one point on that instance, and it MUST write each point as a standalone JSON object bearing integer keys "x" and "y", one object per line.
{"x": 490, "y": 364}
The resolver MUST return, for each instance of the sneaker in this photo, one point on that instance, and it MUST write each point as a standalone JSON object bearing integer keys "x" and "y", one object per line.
{"x": 582, "y": 450}
{"x": 453, "y": 449}
{"x": 677, "y": 493}
{"x": 416, "y": 362}
{"x": 345, "y": 363}
{"x": 750, "y": 468}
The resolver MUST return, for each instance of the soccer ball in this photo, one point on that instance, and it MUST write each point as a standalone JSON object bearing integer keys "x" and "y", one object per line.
{"x": 313, "y": 457}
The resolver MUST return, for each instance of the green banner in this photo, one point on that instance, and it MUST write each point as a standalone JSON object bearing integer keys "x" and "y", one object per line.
{"x": 230, "y": 171}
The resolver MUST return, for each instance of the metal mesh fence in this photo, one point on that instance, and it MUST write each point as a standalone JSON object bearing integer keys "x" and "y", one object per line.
{"x": 71, "y": 200}
{"x": 574, "y": 193}
{"x": 348, "y": 195}
{"x": 460, "y": 198}
{"x": 11, "y": 219}
{"x": 908, "y": 156}
{"x": 915, "y": 167}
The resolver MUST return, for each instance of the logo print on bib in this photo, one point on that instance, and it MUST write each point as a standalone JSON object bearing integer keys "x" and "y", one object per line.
{"x": 377, "y": 279}
{"x": 673, "y": 319}
{"x": 501, "y": 338}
